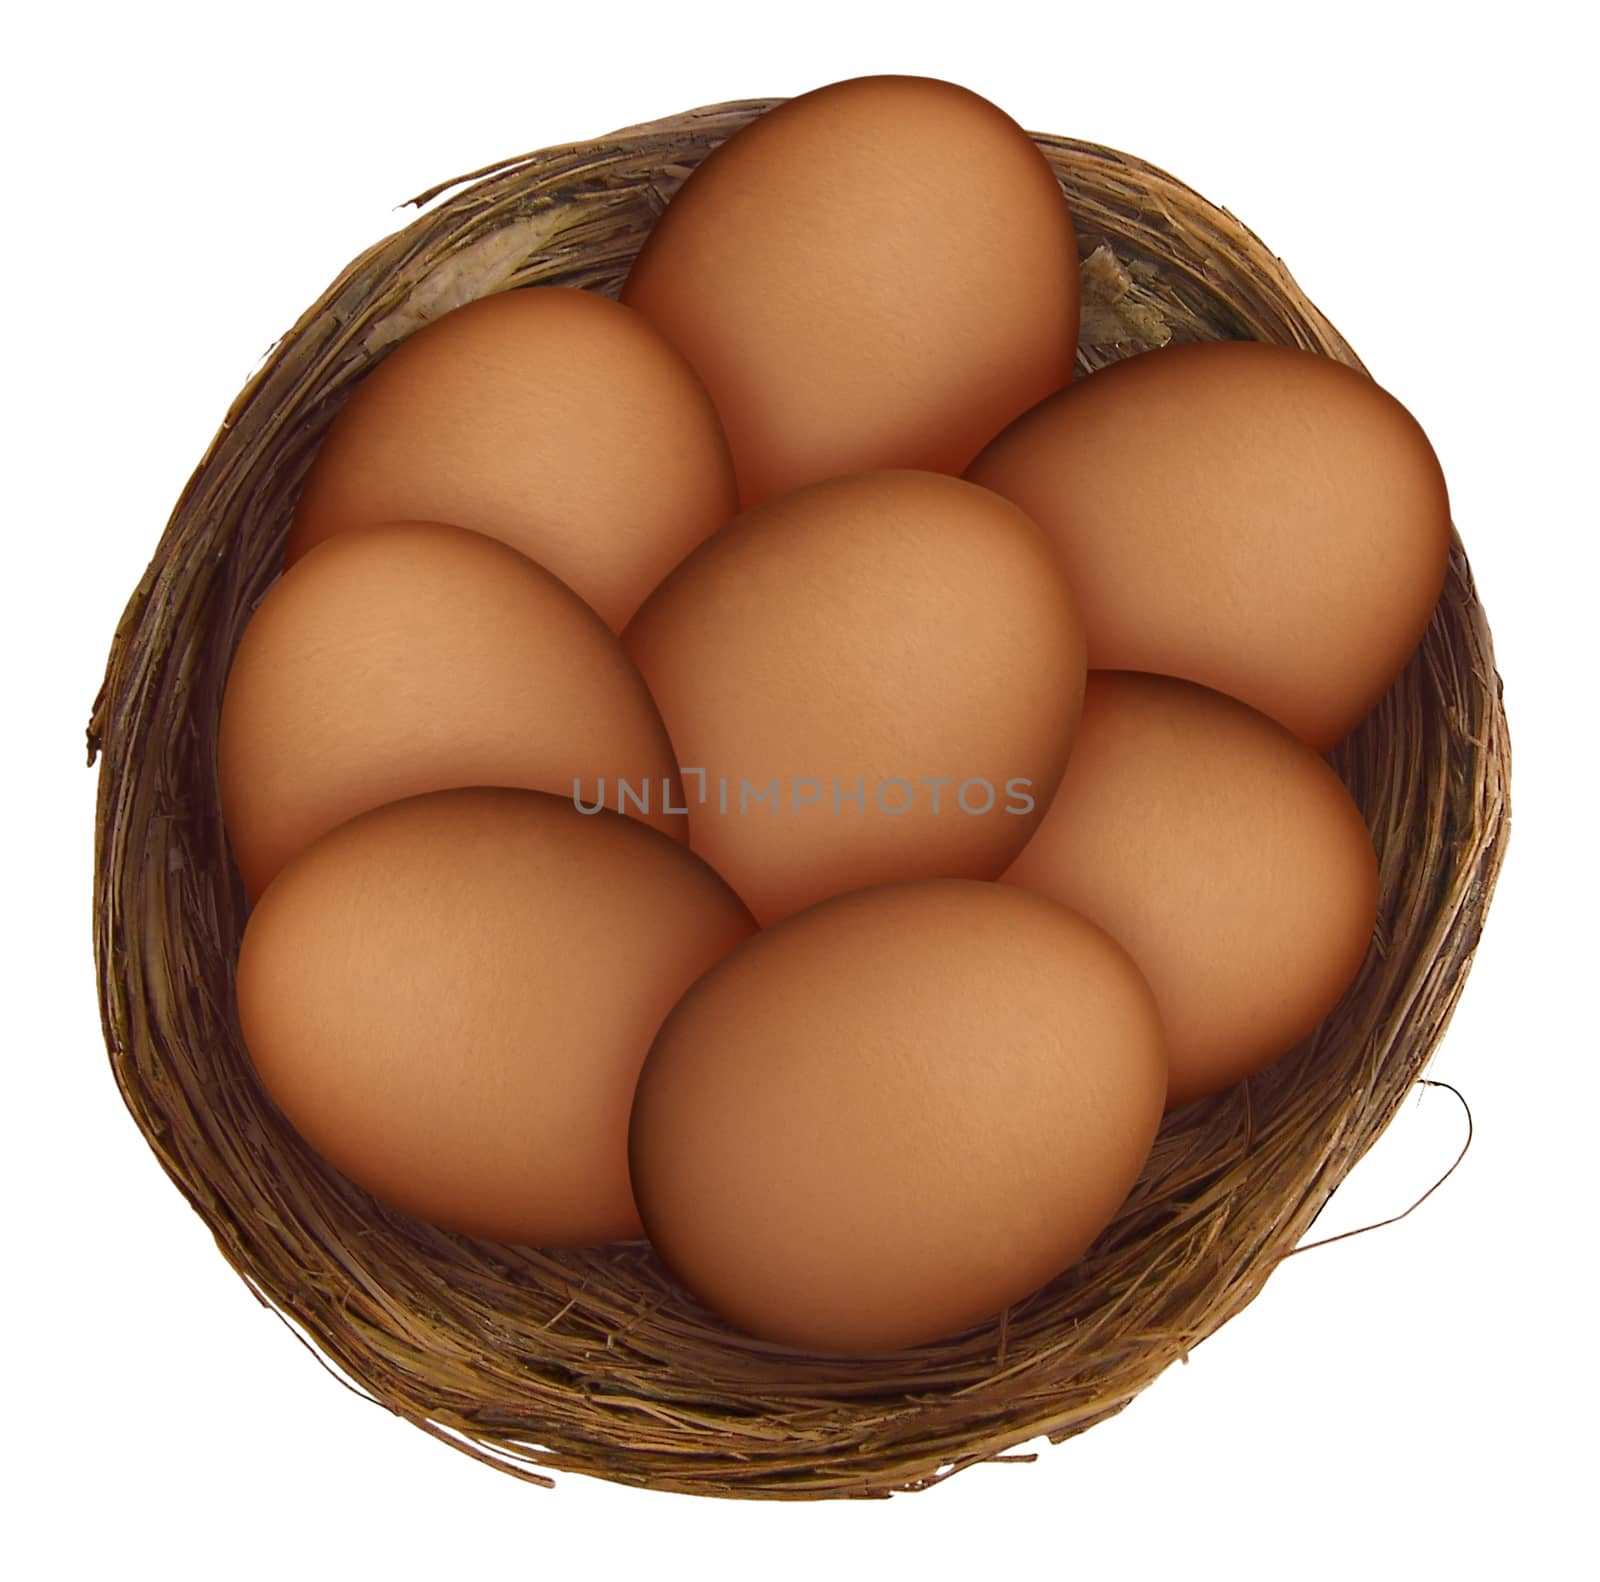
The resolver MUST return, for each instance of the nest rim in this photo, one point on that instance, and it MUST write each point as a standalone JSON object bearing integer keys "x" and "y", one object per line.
{"x": 593, "y": 1361}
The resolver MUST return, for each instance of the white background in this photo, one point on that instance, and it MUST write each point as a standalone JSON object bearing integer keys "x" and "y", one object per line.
{"x": 180, "y": 182}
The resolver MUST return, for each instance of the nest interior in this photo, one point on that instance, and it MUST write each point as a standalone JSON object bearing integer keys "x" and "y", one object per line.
{"x": 594, "y": 1361}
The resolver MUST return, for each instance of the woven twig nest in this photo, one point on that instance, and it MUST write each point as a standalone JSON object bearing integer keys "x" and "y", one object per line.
{"x": 595, "y": 1361}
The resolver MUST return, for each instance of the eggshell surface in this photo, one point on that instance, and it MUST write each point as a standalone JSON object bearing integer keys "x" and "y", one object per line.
{"x": 552, "y": 419}
{"x": 450, "y": 998}
{"x": 1224, "y": 855}
{"x": 414, "y": 657}
{"x": 873, "y": 678}
{"x": 896, "y": 1113}
{"x": 1258, "y": 519}
{"x": 880, "y": 273}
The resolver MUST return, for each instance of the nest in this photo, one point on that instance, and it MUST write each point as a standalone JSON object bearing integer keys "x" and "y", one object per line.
{"x": 595, "y": 1361}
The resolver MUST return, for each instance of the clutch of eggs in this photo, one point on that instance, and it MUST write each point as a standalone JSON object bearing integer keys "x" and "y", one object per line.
{"x": 755, "y": 759}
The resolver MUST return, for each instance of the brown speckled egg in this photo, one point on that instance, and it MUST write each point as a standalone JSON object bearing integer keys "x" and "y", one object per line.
{"x": 554, "y": 420}
{"x": 413, "y": 657}
{"x": 1258, "y": 519}
{"x": 881, "y": 273}
{"x": 894, "y": 1114}
{"x": 1224, "y": 854}
{"x": 450, "y": 999}
{"x": 872, "y": 678}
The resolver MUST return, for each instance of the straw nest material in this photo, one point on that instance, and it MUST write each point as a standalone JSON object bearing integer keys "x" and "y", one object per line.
{"x": 594, "y": 1361}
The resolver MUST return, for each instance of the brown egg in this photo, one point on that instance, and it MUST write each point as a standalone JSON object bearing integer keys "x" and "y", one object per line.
{"x": 450, "y": 998}
{"x": 872, "y": 678}
{"x": 881, "y": 273}
{"x": 1258, "y": 519}
{"x": 897, "y": 1113}
{"x": 554, "y": 420}
{"x": 413, "y": 657}
{"x": 1224, "y": 854}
